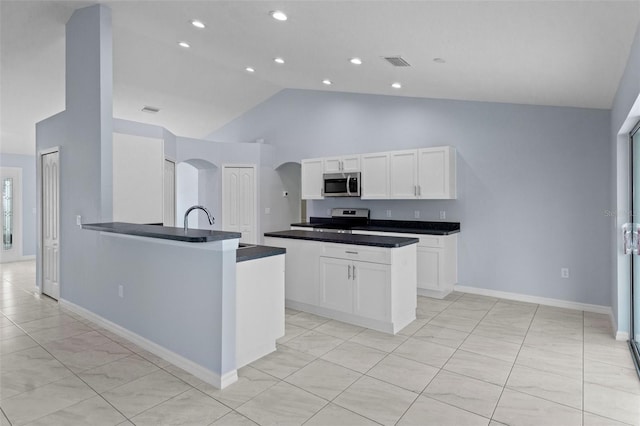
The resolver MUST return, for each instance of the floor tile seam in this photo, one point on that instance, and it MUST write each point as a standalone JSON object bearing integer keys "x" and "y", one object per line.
{"x": 344, "y": 408}
{"x": 230, "y": 412}
{"x": 160, "y": 403}
{"x": 409, "y": 359}
{"x": 607, "y": 417}
{"x": 591, "y": 382}
{"x": 5, "y": 416}
{"x": 542, "y": 370}
{"x": 417, "y": 395}
{"x": 512, "y": 366}
{"x": 60, "y": 409}
{"x": 546, "y": 398}
{"x": 455, "y": 406}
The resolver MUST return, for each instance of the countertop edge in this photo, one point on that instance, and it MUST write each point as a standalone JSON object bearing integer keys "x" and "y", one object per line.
{"x": 161, "y": 232}
{"x": 349, "y": 239}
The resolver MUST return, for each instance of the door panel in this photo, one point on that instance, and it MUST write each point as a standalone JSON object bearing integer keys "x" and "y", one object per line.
{"x": 238, "y": 202}
{"x": 403, "y": 174}
{"x": 50, "y": 225}
{"x": 336, "y": 289}
{"x": 11, "y": 213}
{"x": 372, "y": 295}
{"x": 635, "y": 276}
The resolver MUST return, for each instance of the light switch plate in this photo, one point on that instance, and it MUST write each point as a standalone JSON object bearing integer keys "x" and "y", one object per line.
{"x": 79, "y": 220}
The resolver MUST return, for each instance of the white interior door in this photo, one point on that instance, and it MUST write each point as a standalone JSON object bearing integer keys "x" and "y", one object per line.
{"x": 238, "y": 202}
{"x": 10, "y": 179}
{"x": 50, "y": 225}
{"x": 169, "y": 199}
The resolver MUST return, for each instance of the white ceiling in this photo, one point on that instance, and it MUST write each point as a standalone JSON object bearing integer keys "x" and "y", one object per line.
{"x": 564, "y": 53}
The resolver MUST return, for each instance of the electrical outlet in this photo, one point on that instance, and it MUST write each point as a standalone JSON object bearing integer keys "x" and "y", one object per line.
{"x": 388, "y": 213}
{"x": 285, "y": 194}
{"x": 79, "y": 220}
{"x": 443, "y": 214}
{"x": 564, "y": 272}
{"x": 416, "y": 214}
{"x": 121, "y": 291}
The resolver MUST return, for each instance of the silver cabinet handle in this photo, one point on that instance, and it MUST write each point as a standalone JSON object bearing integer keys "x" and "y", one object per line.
{"x": 415, "y": 190}
{"x": 349, "y": 272}
{"x": 419, "y": 190}
{"x": 351, "y": 252}
{"x": 354, "y": 272}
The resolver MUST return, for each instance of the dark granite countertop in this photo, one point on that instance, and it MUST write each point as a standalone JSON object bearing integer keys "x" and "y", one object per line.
{"x": 252, "y": 252}
{"x": 330, "y": 237}
{"x": 402, "y": 226}
{"x": 162, "y": 232}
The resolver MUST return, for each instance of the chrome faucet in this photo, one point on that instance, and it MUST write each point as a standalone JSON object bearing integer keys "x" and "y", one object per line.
{"x": 204, "y": 209}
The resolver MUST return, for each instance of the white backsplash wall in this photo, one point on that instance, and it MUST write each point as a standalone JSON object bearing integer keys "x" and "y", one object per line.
{"x": 533, "y": 181}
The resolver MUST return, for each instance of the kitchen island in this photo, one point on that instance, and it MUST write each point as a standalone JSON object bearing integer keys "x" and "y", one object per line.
{"x": 359, "y": 279}
{"x": 188, "y": 297}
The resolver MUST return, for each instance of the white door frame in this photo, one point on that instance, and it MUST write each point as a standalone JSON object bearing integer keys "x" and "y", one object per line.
{"x": 17, "y": 215}
{"x": 39, "y": 216}
{"x": 255, "y": 194}
{"x": 175, "y": 173}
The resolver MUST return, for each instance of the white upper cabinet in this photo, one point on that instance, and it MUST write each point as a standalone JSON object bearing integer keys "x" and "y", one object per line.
{"x": 311, "y": 179}
{"x": 437, "y": 173}
{"x": 426, "y": 173}
{"x": 349, "y": 163}
{"x": 375, "y": 176}
{"x": 403, "y": 174}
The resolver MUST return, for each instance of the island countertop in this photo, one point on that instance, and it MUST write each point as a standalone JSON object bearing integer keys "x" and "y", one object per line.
{"x": 355, "y": 239}
{"x": 162, "y": 232}
{"x": 399, "y": 226}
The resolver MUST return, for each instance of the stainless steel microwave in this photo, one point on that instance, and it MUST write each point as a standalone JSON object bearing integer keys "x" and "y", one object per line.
{"x": 341, "y": 184}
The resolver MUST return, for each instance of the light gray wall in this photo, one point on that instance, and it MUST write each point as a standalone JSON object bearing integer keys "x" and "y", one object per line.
{"x": 533, "y": 181}
{"x": 621, "y": 121}
{"x": 28, "y": 165}
{"x": 84, "y": 133}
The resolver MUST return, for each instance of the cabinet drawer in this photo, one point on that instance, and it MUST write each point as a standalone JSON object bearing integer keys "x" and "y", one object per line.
{"x": 425, "y": 240}
{"x": 431, "y": 241}
{"x": 361, "y": 253}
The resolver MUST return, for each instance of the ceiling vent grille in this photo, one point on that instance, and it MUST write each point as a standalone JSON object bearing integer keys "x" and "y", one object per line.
{"x": 397, "y": 61}
{"x": 150, "y": 109}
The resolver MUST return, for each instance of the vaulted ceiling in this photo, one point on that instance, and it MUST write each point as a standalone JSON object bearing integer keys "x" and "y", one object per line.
{"x": 563, "y": 53}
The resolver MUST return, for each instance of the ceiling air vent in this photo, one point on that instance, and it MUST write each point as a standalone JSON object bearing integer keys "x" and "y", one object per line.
{"x": 397, "y": 61}
{"x": 150, "y": 109}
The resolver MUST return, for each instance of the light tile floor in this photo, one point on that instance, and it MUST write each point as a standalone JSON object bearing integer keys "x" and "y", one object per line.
{"x": 466, "y": 360}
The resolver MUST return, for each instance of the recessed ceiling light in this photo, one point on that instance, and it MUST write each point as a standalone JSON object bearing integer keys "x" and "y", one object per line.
{"x": 439, "y": 60}
{"x": 198, "y": 24}
{"x": 249, "y": 69}
{"x": 278, "y": 60}
{"x": 396, "y": 85}
{"x": 184, "y": 44}
{"x": 356, "y": 61}
{"x": 278, "y": 15}
{"x": 327, "y": 82}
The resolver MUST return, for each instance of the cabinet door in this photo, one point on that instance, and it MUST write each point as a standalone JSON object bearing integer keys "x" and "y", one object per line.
{"x": 375, "y": 176}
{"x": 436, "y": 173}
{"x": 351, "y": 163}
{"x": 311, "y": 179}
{"x": 332, "y": 165}
{"x": 403, "y": 174}
{"x": 372, "y": 292}
{"x": 429, "y": 268}
{"x": 336, "y": 284}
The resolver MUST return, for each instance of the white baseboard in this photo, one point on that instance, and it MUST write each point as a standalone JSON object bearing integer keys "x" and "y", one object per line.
{"x": 197, "y": 370}
{"x": 598, "y": 309}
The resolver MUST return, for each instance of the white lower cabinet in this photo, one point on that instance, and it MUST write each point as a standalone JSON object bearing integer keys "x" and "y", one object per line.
{"x": 369, "y": 286}
{"x": 437, "y": 262}
{"x": 359, "y": 288}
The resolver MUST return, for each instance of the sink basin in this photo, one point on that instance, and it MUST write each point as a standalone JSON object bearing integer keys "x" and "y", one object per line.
{"x": 243, "y": 245}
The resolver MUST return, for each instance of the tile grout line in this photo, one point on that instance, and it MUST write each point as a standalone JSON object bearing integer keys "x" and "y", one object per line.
{"x": 514, "y": 362}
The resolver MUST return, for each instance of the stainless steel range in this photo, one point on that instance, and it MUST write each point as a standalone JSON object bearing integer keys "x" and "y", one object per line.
{"x": 343, "y": 219}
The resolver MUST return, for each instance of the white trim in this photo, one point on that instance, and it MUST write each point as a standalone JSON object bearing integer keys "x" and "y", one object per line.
{"x": 197, "y": 370}
{"x": 599, "y": 309}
